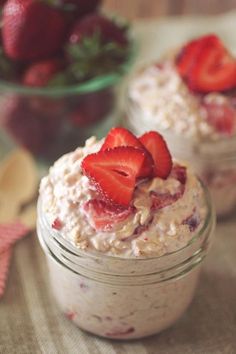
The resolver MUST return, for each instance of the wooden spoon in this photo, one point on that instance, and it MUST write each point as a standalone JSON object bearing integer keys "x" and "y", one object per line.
{"x": 18, "y": 177}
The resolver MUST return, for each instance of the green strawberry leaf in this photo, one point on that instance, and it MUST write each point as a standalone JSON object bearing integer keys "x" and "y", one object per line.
{"x": 92, "y": 58}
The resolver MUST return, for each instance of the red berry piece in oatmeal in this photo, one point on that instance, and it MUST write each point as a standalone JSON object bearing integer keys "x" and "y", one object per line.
{"x": 57, "y": 224}
{"x": 192, "y": 221}
{"x": 71, "y": 315}
{"x": 105, "y": 216}
{"x": 222, "y": 116}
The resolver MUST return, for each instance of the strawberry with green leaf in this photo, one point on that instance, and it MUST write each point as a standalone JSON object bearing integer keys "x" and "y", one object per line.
{"x": 96, "y": 45}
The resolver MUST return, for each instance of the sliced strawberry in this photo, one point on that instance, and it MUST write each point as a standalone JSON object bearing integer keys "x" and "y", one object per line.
{"x": 104, "y": 215}
{"x": 114, "y": 172}
{"x": 122, "y": 137}
{"x": 148, "y": 166}
{"x": 189, "y": 54}
{"x": 156, "y": 145}
{"x": 222, "y": 117}
{"x": 214, "y": 69}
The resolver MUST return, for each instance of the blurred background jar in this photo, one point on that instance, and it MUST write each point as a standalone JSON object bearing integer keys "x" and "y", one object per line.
{"x": 189, "y": 96}
{"x": 214, "y": 159}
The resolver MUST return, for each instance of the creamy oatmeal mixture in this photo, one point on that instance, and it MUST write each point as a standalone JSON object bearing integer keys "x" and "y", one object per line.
{"x": 159, "y": 99}
{"x": 149, "y": 230}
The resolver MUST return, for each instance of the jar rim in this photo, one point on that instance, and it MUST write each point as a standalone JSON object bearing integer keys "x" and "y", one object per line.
{"x": 209, "y": 220}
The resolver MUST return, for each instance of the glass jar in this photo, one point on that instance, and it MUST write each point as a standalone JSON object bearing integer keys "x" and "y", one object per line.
{"x": 51, "y": 121}
{"x": 214, "y": 161}
{"x": 123, "y": 298}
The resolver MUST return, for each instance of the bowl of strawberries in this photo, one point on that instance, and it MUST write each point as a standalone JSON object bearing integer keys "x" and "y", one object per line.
{"x": 60, "y": 65}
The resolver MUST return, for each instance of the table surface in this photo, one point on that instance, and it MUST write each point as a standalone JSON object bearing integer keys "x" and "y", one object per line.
{"x": 30, "y": 323}
{"x": 134, "y": 9}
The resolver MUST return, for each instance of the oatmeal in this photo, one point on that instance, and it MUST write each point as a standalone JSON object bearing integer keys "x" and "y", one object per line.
{"x": 146, "y": 230}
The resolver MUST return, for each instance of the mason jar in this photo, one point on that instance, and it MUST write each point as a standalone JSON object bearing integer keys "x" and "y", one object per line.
{"x": 214, "y": 160}
{"x": 118, "y": 297}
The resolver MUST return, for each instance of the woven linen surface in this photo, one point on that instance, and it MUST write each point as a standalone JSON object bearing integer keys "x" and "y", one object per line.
{"x": 30, "y": 322}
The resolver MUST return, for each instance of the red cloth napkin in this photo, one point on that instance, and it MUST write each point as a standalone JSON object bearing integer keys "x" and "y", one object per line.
{"x": 9, "y": 234}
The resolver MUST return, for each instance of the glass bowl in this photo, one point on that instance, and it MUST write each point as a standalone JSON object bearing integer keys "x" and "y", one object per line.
{"x": 54, "y": 120}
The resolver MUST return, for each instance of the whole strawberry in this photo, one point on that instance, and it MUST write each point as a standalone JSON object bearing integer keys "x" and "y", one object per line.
{"x": 40, "y": 73}
{"x": 32, "y": 29}
{"x": 97, "y": 46}
{"x": 96, "y": 23}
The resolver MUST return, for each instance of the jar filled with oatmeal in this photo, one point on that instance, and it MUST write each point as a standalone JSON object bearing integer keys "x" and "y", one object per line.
{"x": 129, "y": 270}
{"x": 190, "y": 98}
{"x": 123, "y": 298}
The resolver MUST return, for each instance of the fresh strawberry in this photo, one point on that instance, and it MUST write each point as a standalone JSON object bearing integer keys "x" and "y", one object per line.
{"x": 188, "y": 55}
{"x": 40, "y": 73}
{"x": 222, "y": 117}
{"x": 94, "y": 23}
{"x": 207, "y": 65}
{"x": 157, "y": 147}
{"x": 96, "y": 46}
{"x": 114, "y": 172}
{"x": 105, "y": 216}
{"x": 122, "y": 137}
{"x": 32, "y": 29}
{"x": 215, "y": 69}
